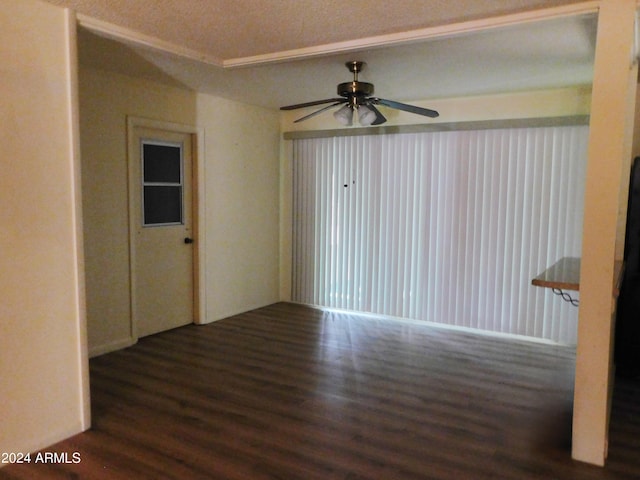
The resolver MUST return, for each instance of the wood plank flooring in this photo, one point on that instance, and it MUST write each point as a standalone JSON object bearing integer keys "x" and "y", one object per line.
{"x": 289, "y": 392}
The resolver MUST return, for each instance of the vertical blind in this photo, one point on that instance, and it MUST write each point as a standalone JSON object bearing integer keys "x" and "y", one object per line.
{"x": 447, "y": 227}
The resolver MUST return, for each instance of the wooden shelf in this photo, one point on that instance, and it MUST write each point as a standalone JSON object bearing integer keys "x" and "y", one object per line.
{"x": 565, "y": 275}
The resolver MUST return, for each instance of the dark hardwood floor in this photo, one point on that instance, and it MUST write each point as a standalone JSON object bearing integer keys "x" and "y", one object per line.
{"x": 289, "y": 392}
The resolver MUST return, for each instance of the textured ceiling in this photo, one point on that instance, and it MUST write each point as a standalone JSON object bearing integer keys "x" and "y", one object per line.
{"x": 533, "y": 55}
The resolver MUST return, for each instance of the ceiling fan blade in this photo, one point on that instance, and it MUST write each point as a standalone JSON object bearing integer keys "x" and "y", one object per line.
{"x": 407, "y": 108}
{"x": 311, "y": 104}
{"x": 313, "y": 114}
{"x": 380, "y": 119}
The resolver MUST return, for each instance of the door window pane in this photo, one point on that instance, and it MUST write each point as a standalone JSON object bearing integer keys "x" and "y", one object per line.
{"x": 161, "y": 183}
{"x": 162, "y": 205}
{"x": 161, "y": 163}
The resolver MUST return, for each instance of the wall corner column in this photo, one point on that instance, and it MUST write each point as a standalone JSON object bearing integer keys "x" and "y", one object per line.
{"x": 611, "y": 114}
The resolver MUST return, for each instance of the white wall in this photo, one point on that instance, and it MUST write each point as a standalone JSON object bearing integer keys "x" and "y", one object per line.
{"x": 240, "y": 174}
{"x": 43, "y": 365}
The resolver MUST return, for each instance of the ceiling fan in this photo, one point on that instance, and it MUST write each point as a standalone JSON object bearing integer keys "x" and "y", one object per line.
{"x": 357, "y": 96}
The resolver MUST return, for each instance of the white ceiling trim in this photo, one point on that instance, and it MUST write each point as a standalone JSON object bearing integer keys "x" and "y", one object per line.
{"x": 414, "y": 36}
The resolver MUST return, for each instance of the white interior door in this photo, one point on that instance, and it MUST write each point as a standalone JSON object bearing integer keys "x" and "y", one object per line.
{"x": 161, "y": 210}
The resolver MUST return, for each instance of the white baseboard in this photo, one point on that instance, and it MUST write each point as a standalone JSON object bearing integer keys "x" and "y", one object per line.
{"x": 111, "y": 347}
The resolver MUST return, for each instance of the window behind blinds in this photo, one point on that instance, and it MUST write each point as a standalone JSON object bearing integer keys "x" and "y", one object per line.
{"x": 447, "y": 227}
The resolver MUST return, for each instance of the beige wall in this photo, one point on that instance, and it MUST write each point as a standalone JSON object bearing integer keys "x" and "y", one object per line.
{"x": 43, "y": 365}
{"x": 105, "y": 101}
{"x": 606, "y": 189}
{"x": 238, "y": 169}
{"x": 534, "y": 104}
{"x": 241, "y": 206}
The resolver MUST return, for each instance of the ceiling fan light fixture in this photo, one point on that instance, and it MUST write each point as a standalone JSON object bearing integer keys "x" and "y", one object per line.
{"x": 366, "y": 116}
{"x": 344, "y": 115}
{"x": 357, "y": 95}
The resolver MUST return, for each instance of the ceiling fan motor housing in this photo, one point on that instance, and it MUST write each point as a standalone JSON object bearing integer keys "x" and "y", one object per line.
{"x": 355, "y": 88}
{"x": 355, "y": 91}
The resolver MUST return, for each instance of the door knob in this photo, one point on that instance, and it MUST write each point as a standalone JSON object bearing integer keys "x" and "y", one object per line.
{"x": 188, "y": 240}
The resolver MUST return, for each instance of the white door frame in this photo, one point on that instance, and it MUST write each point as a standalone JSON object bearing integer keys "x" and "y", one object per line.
{"x": 197, "y": 209}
